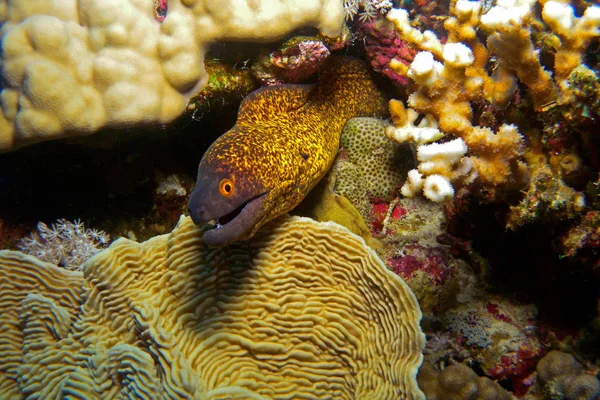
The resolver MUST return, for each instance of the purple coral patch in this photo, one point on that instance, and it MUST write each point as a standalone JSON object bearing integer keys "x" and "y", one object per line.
{"x": 160, "y": 10}
{"x": 430, "y": 261}
{"x": 517, "y": 368}
{"x": 301, "y": 60}
{"x": 382, "y": 44}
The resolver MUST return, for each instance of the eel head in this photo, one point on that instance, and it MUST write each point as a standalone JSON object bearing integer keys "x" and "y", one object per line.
{"x": 234, "y": 202}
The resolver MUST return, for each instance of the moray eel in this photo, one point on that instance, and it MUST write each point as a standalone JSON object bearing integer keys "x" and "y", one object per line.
{"x": 284, "y": 141}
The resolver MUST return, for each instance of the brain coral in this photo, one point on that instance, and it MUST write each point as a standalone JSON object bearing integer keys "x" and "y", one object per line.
{"x": 302, "y": 310}
{"x": 459, "y": 382}
{"x": 378, "y": 161}
{"x": 565, "y": 378}
{"x": 21, "y": 276}
{"x": 72, "y": 67}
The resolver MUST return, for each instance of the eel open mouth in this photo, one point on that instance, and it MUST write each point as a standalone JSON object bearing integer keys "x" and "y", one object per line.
{"x": 225, "y": 219}
{"x": 235, "y": 225}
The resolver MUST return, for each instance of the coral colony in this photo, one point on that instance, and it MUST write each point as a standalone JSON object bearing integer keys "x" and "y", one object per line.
{"x": 449, "y": 249}
{"x": 112, "y": 64}
{"x": 65, "y": 243}
{"x": 451, "y": 76}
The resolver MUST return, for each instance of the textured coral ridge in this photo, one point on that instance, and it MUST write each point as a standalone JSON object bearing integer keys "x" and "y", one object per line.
{"x": 30, "y": 288}
{"x": 302, "y": 310}
{"x": 72, "y": 67}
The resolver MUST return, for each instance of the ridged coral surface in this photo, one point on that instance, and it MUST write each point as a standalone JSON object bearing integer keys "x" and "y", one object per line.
{"x": 302, "y": 310}
{"x": 25, "y": 279}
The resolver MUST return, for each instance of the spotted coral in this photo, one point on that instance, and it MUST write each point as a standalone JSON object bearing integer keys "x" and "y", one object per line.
{"x": 378, "y": 159}
{"x": 303, "y": 309}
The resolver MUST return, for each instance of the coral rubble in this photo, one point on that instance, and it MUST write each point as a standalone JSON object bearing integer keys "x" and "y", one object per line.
{"x": 382, "y": 45}
{"x": 297, "y": 58}
{"x": 500, "y": 336}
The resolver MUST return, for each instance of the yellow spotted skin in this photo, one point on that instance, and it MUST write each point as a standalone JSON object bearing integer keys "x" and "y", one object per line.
{"x": 286, "y": 137}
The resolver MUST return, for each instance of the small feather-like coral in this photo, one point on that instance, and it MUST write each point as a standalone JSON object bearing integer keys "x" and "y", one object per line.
{"x": 65, "y": 243}
{"x": 302, "y": 310}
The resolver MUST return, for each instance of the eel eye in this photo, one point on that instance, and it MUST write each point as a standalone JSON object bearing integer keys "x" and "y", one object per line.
{"x": 226, "y": 187}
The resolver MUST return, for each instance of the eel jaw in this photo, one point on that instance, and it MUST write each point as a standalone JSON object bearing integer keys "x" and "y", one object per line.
{"x": 237, "y": 224}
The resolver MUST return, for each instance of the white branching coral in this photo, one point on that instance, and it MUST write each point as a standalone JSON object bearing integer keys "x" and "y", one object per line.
{"x": 407, "y": 128}
{"x": 510, "y": 41}
{"x": 65, "y": 243}
{"x": 427, "y": 40}
{"x": 575, "y": 35}
{"x": 365, "y": 9}
{"x": 437, "y": 188}
{"x": 437, "y": 161}
{"x": 450, "y": 76}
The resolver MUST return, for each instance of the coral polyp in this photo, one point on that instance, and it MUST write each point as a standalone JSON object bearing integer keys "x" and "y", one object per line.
{"x": 65, "y": 243}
